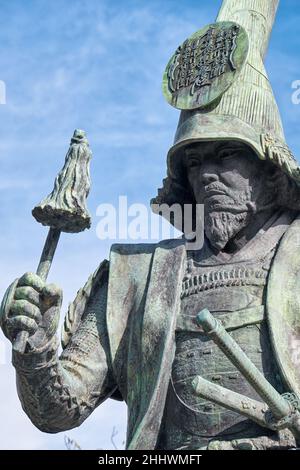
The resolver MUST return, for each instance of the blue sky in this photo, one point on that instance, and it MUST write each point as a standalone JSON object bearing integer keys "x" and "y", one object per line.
{"x": 96, "y": 65}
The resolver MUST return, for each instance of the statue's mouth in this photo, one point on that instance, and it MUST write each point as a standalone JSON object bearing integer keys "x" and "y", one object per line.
{"x": 214, "y": 192}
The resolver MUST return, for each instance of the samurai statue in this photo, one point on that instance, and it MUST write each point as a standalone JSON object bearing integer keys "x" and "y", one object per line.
{"x": 133, "y": 332}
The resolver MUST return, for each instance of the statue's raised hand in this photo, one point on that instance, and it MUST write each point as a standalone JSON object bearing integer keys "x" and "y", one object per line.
{"x": 31, "y": 305}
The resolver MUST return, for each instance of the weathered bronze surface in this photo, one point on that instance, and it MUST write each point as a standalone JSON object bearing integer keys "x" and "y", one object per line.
{"x": 205, "y": 65}
{"x": 132, "y": 332}
{"x": 64, "y": 209}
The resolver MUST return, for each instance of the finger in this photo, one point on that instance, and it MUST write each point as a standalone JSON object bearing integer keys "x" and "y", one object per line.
{"x": 25, "y": 308}
{"x": 242, "y": 444}
{"x": 29, "y": 294}
{"x": 32, "y": 280}
{"x": 52, "y": 295}
{"x": 22, "y": 323}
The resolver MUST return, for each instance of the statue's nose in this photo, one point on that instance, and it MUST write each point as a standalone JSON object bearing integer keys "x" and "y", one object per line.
{"x": 209, "y": 177}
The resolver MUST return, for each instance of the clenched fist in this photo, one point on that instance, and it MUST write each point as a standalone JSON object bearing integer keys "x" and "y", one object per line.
{"x": 31, "y": 305}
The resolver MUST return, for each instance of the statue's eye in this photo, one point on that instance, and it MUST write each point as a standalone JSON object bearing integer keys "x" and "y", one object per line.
{"x": 193, "y": 162}
{"x": 227, "y": 153}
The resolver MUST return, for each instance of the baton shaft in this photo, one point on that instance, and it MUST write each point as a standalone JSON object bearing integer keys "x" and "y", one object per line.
{"x": 277, "y": 404}
{"x": 43, "y": 269}
{"x": 233, "y": 401}
{"x": 48, "y": 253}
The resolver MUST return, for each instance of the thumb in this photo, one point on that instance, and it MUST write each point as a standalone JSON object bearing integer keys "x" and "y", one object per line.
{"x": 7, "y": 300}
{"x": 52, "y": 296}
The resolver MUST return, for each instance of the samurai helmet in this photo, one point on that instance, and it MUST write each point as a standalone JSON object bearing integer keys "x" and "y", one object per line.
{"x": 218, "y": 80}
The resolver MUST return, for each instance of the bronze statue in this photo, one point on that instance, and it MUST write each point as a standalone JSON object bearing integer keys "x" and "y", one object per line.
{"x": 227, "y": 378}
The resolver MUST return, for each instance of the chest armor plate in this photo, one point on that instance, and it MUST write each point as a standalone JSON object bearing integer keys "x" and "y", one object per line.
{"x": 235, "y": 295}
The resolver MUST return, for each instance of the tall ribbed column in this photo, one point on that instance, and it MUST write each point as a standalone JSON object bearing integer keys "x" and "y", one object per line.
{"x": 256, "y": 16}
{"x": 251, "y": 98}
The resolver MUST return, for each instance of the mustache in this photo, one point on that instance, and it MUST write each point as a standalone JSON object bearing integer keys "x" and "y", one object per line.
{"x": 237, "y": 201}
{"x": 215, "y": 189}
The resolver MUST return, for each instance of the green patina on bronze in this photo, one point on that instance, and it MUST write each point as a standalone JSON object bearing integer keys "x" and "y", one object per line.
{"x": 205, "y": 65}
{"x": 64, "y": 210}
{"x": 231, "y": 379}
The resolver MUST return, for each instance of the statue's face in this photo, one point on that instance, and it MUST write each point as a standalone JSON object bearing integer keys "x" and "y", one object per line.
{"x": 228, "y": 179}
{"x": 221, "y": 175}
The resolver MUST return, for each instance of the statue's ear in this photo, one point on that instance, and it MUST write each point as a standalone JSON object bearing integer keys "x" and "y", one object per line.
{"x": 285, "y": 189}
{"x": 274, "y": 177}
{"x": 173, "y": 191}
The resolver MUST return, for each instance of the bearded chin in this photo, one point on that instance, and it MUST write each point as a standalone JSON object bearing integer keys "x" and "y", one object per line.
{"x": 220, "y": 227}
